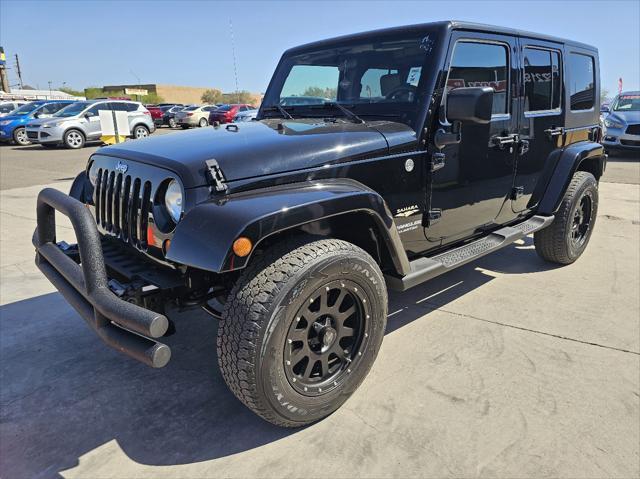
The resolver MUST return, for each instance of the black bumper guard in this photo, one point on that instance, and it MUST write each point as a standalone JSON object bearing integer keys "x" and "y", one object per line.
{"x": 122, "y": 325}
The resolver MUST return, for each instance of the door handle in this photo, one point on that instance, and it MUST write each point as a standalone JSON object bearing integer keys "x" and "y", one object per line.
{"x": 501, "y": 141}
{"x": 524, "y": 147}
{"x": 551, "y": 132}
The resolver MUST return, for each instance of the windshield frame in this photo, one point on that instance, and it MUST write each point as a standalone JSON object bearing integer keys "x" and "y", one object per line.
{"x": 411, "y": 113}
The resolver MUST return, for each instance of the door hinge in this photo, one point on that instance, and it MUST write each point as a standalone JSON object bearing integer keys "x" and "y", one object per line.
{"x": 216, "y": 177}
{"x": 437, "y": 161}
{"x": 433, "y": 216}
{"x": 517, "y": 192}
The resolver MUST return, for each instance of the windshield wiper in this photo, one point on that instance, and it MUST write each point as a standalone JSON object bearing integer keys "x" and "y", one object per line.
{"x": 283, "y": 112}
{"x": 348, "y": 113}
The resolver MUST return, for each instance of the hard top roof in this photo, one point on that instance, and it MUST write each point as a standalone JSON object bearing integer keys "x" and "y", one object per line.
{"x": 443, "y": 26}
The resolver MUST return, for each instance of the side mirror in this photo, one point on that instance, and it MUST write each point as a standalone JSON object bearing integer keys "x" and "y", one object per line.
{"x": 604, "y": 109}
{"x": 36, "y": 115}
{"x": 470, "y": 105}
{"x": 88, "y": 115}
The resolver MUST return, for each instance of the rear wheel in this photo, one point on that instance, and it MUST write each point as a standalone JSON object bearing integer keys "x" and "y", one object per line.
{"x": 203, "y": 122}
{"x": 172, "y": 123}
{"x": 567, "y": 237}
{"x": 73, "y": 139}
{"x": 20, "y": 136}
{"x": 140, "y": 131}
{"x": 301, "y": 329}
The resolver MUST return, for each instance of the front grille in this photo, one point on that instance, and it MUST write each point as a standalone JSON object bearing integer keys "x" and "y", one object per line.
{"x": 633, "y": 129}
{"x": 122, "y": 205}
{"x": 32, "y": 134}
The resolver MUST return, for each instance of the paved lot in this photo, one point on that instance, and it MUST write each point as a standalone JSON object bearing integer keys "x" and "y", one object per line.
{"x": 508, "y": 367}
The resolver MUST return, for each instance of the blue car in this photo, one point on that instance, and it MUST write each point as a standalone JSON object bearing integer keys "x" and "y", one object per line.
{"x": 12, "y": 127}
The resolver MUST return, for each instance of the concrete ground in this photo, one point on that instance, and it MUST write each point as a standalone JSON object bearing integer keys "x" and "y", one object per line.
{"x": 508, "y": 367}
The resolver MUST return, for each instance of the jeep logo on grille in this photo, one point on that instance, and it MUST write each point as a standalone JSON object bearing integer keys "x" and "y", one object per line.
{"x": 122, "y": 167}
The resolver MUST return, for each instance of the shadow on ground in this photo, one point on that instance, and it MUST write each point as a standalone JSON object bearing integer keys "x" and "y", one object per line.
{"x": 64, "y": 393}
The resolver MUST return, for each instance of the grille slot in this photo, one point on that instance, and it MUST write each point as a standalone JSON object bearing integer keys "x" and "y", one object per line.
{"x": 633, "y": 129}
{"x": 122, "y": 206}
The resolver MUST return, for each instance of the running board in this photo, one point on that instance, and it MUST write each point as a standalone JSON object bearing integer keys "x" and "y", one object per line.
{"x": 424, "y": 269}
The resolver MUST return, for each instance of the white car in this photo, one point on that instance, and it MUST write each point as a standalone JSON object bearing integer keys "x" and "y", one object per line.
{"x": 7, "y": 107}
{"x": 194, "y": 116}
{"x": 247, "y": 115}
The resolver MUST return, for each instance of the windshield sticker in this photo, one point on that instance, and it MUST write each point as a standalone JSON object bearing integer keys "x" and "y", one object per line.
{"x": 414, "y": 76}
{"x": 426, "y": 44}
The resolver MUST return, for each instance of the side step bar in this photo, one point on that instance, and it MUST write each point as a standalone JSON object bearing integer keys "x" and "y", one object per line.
{"x": 424, "y": 269}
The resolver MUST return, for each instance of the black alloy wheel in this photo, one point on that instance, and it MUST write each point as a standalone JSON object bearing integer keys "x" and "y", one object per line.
{"x": 326, "y": 337}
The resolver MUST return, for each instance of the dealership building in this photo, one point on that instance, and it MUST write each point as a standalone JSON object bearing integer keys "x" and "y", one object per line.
{"x": 168, "y": 93}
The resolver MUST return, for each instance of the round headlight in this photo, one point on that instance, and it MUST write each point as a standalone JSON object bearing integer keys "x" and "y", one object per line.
{"x": 93, "y": 173}
{"x": 173, "y": 200}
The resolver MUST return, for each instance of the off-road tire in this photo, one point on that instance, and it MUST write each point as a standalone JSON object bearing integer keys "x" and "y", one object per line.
{"x": 554, "y": 243}
{"x": 73, "y": 139}
{"x": 261, "y": 308}
{"x": 20, "y": 136}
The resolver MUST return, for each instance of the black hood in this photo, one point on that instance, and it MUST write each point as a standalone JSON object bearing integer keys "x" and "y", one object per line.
{"x": 256, "y": 148}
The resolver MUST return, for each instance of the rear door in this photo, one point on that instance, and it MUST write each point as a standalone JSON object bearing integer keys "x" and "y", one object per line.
{"x": 542, "y": 117}
{"x": 474, "y": 187}
{"x": 93, "y": 129}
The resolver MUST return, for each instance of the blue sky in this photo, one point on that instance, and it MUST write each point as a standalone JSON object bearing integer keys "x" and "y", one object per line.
{"x": 85, "y": 43}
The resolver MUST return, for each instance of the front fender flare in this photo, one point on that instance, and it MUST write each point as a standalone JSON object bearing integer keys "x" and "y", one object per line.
{"x": 204, "y": 237}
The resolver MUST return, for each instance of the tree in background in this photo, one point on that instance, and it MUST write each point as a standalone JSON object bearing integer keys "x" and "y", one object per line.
{"x": 604, "y": 95}
{"x": 330, "y": 93}
{"x": 239, "y": 97}
{"x": 71, "y": 91}
{"x": 151, "y": 99}
{"x": 212, "y": 96}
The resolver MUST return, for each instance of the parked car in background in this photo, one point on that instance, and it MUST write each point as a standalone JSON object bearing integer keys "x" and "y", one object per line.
{"x": 156, "y": 112}
{"x": 246, "y": 115}
{"x": 194, "y": 116}
{"x": 622, "y": 123}
{"x": 7, "y": 107}
{"x": 226, "y": 113}
{"x": 169, "y": 116}
{"x": 79, "y": 123}
{"x": 303, "y": 100}
{"x": 12, "y": 126}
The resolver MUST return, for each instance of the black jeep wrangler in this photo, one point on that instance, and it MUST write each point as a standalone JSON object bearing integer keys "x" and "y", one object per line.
{"x": 412, "y": 151}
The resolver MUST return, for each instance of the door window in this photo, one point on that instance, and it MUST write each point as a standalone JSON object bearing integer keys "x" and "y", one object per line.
{"x": 96, "y": 108}
{"x": 542, "y": 80}
{"x": 51, "y": 108}
{"x": 582, "y": 81}
{"x": 476, "y": 64}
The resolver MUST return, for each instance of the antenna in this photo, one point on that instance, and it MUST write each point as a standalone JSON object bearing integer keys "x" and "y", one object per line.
{"x": 235, "y": 68}
{"x": 18, "y": 71}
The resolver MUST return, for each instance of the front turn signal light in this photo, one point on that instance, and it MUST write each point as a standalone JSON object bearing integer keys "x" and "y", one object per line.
{"x": 242, "y": 246}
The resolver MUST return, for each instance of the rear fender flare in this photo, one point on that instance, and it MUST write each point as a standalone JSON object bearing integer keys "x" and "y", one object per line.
{"x": 204, "y": 237}
{"x": 568, "y": 161}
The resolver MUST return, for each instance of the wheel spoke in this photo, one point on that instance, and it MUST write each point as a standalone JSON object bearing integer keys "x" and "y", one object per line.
{"x": 344, "y": 315}
{"x": 346, "y": 332}
{"x": 339, "y": 301}
{"x": 299, "y": 335}
{"x": 299, "y": 355}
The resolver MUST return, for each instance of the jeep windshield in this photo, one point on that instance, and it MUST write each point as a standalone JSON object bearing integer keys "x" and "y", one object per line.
{"x": 373, "y": 78}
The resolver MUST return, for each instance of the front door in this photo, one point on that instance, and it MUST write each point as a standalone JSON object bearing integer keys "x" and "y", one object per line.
{"x": 541, "y": 118}
{"x": 473, "y": 189}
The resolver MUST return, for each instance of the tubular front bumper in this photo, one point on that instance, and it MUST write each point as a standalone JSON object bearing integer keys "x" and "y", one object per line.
{"x": 122, "y": 325}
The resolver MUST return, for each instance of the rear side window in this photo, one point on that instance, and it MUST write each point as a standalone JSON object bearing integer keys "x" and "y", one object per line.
{"x": 478, "y": 65}
{"x": 542, "y": 82}
{"x": 582, "y": 81}
{"x": 119, "y": 106}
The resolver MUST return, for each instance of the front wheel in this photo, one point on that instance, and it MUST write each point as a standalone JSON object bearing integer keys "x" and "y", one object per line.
{"x": 567, "y": 237}
{"x": 20, "y": 136}
{"x": 301, "y": 329}
{"x": 73, "y": 139}
{"x": 140, "y": 131}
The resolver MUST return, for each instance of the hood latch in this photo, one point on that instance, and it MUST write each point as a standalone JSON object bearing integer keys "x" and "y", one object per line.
{"x": 216, "y": 177}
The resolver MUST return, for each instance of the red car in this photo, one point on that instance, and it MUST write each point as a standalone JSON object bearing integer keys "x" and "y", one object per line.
{"x": 226, "y": 113}
{"x": 156, "y": 112}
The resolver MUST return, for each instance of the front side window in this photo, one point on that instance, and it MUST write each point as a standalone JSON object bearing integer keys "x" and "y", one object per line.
{"x": 52, "y": 108}
{"x": 541, "y": 79}
{"x": 96, "y": 108}
{"x": 477, "y": 64}
{"x": 73, "y": 109}
{"x": 26, "y": 109}
{"x": 582, "y": 81}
